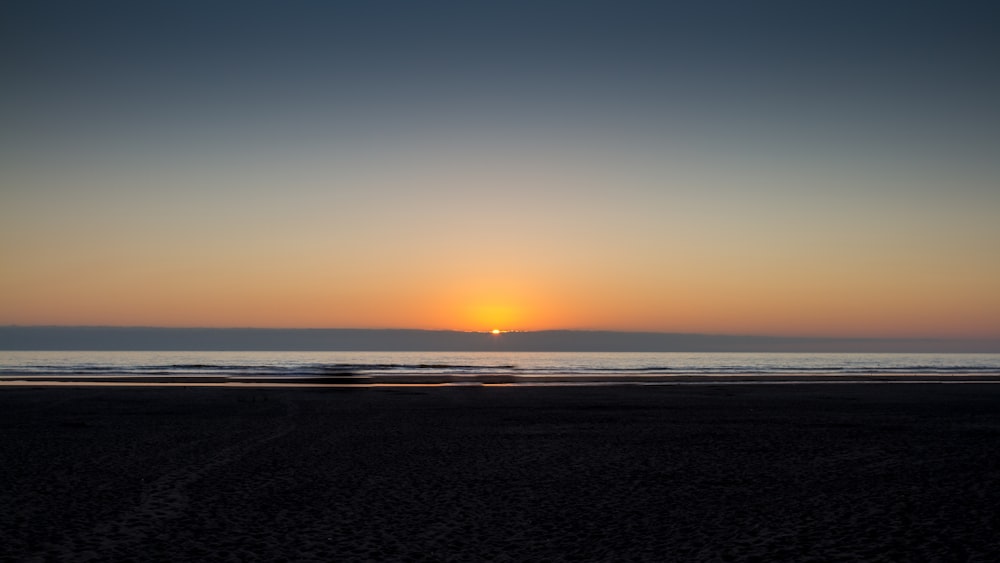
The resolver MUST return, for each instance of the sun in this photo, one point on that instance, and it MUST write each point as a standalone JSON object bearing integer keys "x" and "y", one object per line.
{"x": 492, "y": 317}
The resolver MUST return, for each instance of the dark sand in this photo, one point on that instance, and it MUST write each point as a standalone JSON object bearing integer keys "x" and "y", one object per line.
{"x": 891, "y": 472}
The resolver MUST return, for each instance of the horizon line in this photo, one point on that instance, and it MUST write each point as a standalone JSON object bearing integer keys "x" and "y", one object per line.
{"x": 153, "y": 338}
{"x": 515, "y": 331}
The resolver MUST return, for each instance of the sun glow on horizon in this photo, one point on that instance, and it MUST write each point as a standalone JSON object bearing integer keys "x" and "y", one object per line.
{"x": 494, "y": 315}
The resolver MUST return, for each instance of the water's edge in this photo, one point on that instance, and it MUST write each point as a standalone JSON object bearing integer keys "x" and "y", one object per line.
{"x": 474, "y": 368}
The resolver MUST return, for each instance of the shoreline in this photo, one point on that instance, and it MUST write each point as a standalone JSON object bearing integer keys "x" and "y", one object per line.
{"x": 486, "y": 380}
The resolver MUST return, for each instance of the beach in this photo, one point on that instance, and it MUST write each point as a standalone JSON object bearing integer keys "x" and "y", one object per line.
{"x": 707, "y": 472}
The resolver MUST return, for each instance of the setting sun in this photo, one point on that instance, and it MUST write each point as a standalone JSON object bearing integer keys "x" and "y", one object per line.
{"x": 494, "y": 315}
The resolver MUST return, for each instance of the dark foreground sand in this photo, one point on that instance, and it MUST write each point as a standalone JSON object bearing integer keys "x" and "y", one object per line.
{"x": 891, "y": 472}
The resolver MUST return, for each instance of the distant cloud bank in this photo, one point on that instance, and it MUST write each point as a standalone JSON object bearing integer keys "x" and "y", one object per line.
{"x": 250, "y": 339}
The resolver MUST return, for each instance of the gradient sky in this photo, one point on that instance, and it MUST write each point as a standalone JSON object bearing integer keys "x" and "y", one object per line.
{"x": 792, "y": 168}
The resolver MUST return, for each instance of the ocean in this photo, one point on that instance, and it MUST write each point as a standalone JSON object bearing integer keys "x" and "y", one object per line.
{"x": 478, "y": 368}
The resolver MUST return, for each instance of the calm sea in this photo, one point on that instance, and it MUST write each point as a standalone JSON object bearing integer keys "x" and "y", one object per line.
{"x": 480, "y": 367}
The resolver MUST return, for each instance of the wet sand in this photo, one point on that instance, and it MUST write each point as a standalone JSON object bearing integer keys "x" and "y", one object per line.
{"x": 799, "y": 472}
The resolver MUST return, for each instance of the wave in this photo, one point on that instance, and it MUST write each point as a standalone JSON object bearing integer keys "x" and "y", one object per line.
{"x": 472, "y": 367}
{"x": 416, "y": 369}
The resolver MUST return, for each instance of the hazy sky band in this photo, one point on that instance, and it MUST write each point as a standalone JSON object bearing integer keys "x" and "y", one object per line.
{"x": 777, "y": 166}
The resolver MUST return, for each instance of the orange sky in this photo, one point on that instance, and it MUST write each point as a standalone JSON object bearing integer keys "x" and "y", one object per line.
{"x": 588, "y": 255}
